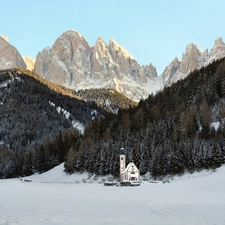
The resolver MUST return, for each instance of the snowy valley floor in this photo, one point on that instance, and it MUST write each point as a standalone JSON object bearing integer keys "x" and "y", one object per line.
{"x": 195, "y": 199}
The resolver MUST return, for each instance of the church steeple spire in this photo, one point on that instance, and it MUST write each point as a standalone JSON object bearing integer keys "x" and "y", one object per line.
{"x": 122, "y": 163}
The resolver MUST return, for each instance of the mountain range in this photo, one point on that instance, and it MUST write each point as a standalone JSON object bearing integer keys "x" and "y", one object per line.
{"x": 192, "y": 59}
{"x": 72, "y": 63}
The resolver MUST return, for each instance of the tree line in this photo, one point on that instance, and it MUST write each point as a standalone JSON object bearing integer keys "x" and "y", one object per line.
{"x": 180, "y": 128}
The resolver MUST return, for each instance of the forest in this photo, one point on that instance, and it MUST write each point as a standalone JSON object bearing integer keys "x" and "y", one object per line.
{"x": 179, "y": 129}
{"x": 32, "y": 112}
{"x": 168, "y": 133}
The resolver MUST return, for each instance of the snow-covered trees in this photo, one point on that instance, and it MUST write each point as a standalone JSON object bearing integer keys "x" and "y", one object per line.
{"x": 167, "y": 133}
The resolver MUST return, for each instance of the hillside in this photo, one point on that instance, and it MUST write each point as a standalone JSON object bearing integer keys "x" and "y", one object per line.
{"x": 109, "y": 99}
{"x": 180, "y": 128}
{"x": 34, "y": 111}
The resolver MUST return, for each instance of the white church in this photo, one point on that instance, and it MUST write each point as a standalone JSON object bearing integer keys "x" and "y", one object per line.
{"x": 129, "y": 173}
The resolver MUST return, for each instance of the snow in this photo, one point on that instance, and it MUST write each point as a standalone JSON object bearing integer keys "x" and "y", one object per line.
{"x": 76, "y": 124}
{"x": 192, "y": 199}
{"x": 216, "y": 125}
{"x": 108, "y": 102}
{"x": 79, "y": 126}
{"x": 127, "y": 168}
{"x": 154, "y": 85}
{"x": 5, "y": 83}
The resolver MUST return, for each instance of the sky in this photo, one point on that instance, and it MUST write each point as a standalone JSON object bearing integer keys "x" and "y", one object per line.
{"x": 152, "y": 31}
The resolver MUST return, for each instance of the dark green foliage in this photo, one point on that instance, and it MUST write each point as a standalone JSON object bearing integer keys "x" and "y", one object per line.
{"x": 109, "y": 99}
{"x": 165, "y": 134}
{"x": 30, "y": 111}
{"x": 31, "y": 115}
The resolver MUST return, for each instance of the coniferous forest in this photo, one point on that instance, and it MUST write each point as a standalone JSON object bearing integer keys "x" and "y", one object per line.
{"x": 173, "y": 131}
{"x": 181, "y": 128}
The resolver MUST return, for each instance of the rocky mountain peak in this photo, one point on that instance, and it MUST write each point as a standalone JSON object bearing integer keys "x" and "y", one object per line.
{"x": 100, "y": 40}
{"x": 175, "y": 60}
{"x": 69, "y": 43}
{"x": 9, "y": 55}
{"x": 170, "y": 71}
{"x": 71, "y": 62}
{"x": 101, "y": 47}
{"x": 151, "y": 71}
{"x": 117, "y": 50}
{"x": 192, "y": 47}
{"x": 4, "y": 37}
{"x": 192, "y": 59}
{"x": 218, "y": 50}
{"x": 29, "y": 62}
{"x": 69, "y": 56}
{"x": 219, "y": 41}
{"x": 71, "y": 33}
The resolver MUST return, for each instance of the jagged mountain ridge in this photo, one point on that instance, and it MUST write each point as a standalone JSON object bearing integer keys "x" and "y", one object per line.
{"x": 71, "y": 62}
{"x": 80, "y": 66}
{"x": 192, "y": 59}
{"x": 9, "y": 55}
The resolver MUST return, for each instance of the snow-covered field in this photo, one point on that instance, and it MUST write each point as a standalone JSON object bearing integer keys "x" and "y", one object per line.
{"x": 195, "y": 199}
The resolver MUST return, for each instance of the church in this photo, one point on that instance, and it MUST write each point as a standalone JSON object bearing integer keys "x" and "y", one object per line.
{"x": 129, "y": 173}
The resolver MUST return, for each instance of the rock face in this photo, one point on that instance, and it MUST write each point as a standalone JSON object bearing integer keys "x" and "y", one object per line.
{"x": 192, "y": 59}
{"x": 71, "y": 62}
{"x": 9, "y": 55}
{"x": 29, "y": 62}
{"x": 218, "y": 50}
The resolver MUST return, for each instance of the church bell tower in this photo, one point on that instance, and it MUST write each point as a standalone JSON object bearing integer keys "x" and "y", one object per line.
{"x": 122, "y": 164}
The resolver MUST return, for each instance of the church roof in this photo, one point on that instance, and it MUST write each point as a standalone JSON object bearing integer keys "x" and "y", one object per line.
{"x": 128, "y": 166}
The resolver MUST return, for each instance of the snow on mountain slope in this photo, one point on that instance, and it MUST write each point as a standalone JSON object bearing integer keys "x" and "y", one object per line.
{"x": 75, "y": 123}
{"x": 193, "y": 199}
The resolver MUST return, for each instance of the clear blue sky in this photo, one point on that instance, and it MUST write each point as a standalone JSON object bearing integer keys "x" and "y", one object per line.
{"x": 153, "y": 31}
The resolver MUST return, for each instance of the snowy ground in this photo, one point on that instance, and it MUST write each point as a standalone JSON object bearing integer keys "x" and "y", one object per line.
{"x": 195, "y": 199}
